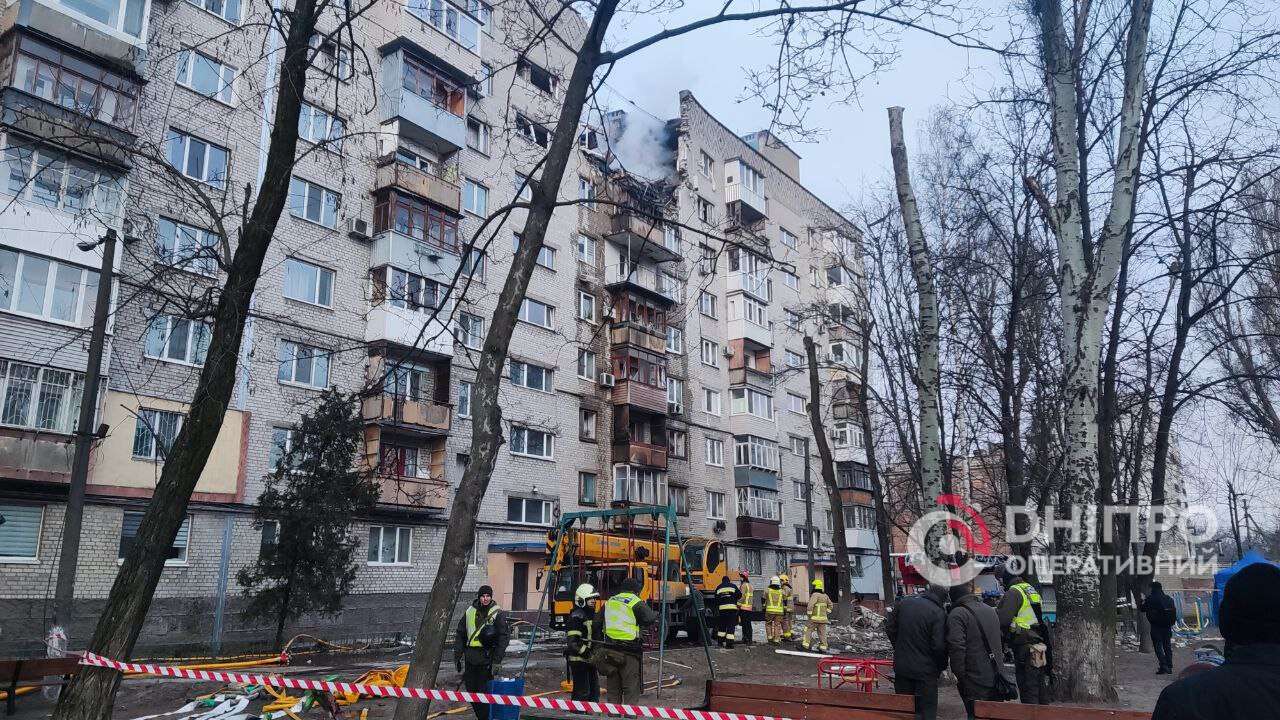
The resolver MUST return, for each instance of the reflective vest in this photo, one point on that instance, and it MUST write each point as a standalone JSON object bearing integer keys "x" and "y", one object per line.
{"x": 819, "y": 606}
{"x": 473, "y": 631}
{"x": 748, "y": 594}
{"x": 580, "y": 639}
{"x": 788, "y": 599}
{"x": 773, "y": 603}
{"x": 725, "y": 594}
{"x": 620, "y": 617}
{"x": 1026, "y": 617}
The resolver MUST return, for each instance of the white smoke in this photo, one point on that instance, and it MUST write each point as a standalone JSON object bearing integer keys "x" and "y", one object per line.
{"x": 638, "y": 143}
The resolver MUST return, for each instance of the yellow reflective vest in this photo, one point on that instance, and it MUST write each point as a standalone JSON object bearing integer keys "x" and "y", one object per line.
{"x": 748, "y": 595}
{"x": 1026, "y": 617}
{"x": 773, "y": 602}
{"x": 819, "y": 607}
{"x": 620, "y": 617}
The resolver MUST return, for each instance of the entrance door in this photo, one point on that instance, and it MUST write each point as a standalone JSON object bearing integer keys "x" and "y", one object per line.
{"x": 520, "y": 586}
{"x": 831, "y": 579}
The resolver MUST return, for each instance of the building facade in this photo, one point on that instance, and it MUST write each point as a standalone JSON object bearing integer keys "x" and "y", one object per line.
{"x": 655, "y": 361}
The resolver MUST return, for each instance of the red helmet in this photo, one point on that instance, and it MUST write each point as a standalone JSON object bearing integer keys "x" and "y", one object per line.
{"x": 742, "y": 574}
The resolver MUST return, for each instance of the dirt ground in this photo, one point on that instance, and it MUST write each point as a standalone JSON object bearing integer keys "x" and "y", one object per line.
{"x": 685, "y": 667}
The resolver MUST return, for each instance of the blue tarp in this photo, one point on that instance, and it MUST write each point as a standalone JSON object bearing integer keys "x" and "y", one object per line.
{"x": 1221, "y": 577}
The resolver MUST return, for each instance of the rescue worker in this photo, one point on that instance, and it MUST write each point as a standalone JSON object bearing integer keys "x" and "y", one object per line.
{"x": 622, "y": 618}
{"x": 727, "y": 599}
{"x": 773, "y": 606}
{"x": 746, "y": 606}
{"x": 819, "y": 615}
{"x": 479, "y": 644}
{"x": 1021, "y": 617}
{"x": 580, "y": 631}
{"x": 788, "y": 607}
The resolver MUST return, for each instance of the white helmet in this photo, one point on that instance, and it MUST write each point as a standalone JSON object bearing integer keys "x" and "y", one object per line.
{"x": 585, "y": 592}
{"x": 774, "y": 580}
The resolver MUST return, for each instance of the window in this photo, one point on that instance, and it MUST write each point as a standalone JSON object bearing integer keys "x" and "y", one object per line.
{"x": 269, "y": 535}
{"x": 675, "y": 340}
{"x": 32, "y": 285}
{"x": 416, "y": 219}
{"x": 710, "y": 353}
{"x": 474, "y": 264}
{"x": 186, "y": 247}
{"x": 670, "y": 286}
{"x": 331, "y": 57}
{"x": 528, "y": 511}
{"x": 207, "y": 76}
{"x": 196, "y": 158}
{"x": 848, "y": 434}
{"x": 406, "y": 290}
{"x": 312, "y": 202}
{"x": 587, "y": 425}
{"x": 801, "y": 489}
{"x": 485, "y": 86}
{"x": 706, "y": 211}
{"x": 477, "y": 135}
{"x": 751, "y": 559}
{"x": 750, "y": 177}
{"x": 715, "y": 505}
{"x": 802, "y": 536}
{"x": 677, "y": 443}
{"x": 154, "y": 432}
{"x": 471, "y": 330}
{"x": 228, "y": 10}
{"x": 715, "y": 452}
{"x": 534, "y": 377}
{"x": 177, "y": 554}
{"x": 787, "y": 239}
{"x": 586, "y": 306}
{"x": 705, "y": 164}
{"x": 795, "y": 403}
{"x": 707, "y": 263}
{"x": 837, "y": 276}
{"x": 282, "y": 441}
{"x": 838, "y": 355}
{"x": 523, "y": 188}
{"x": 178, "y": 339}
{"x": 790, "y": 279}
{"x": 587, "y": 249}
{"x": 793, "y": 319}
{"x": 793, "y": 359}
{"x": 813, "y": 277}
{"x": 537, "y": 76}
{"x": 532, "y": 443}
{"x": 20, "y": 532}
{"x": 749, "y": 401}
{"x": 464, "y": 399}
{"x": 756, "y": 452}
{"x": 587, "y": 192}
{"x": 587, "y": 488}
{"x": 675, "y": 396}
{"x": 679, "y": 498}
{"x": 546, "y": 253}
{"x": 404, "y": 461}
{"x": 303, "y": 365}
{"x": 389, "y": 545}
{"x": 586, "y": 365}
{"x": 537, "y": 313}
{"x": 63, "y": 79}
{"x": 643, "y": 486}
{"x": 532, "y": 131}
{"x": 759, "y": 503}
{"x": 128, "y": 16}
{"x": 49, "y": 177}
{"x": 475, "y": 198}
{"x": 711, "y": 401}
{"x": 452, "y": 20}
{"x": 308, "y": 283}
{"x": 707, "y": 304}
{"x": 41, "y": 398}
{"x": 859, "y": 517}
{"x": 798, "y": 445}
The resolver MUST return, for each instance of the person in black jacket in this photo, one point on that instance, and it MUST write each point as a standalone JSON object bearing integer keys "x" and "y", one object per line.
{"x": 479, "y": 644}
{"x": 580, "y": 639}
{"x": 1247, "y": 685}
{"x": 917, "y": 629}
{"x": 727, "y": 597}
{"x": 1158, "y": 607}
{"x": 968, "y": 622}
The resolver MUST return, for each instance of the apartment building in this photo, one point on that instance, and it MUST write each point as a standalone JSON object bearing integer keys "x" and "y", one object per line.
{"x": 647, "y": 368}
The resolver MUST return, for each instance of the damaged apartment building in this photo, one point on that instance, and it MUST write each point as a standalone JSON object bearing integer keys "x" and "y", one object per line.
{"x": 658, "y": 358}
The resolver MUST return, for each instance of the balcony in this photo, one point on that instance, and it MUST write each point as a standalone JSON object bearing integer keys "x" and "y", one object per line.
{"x": 752, "y": 377}
{"x": 414, "y": 492}
{"x": 645, "y": 397}
{"x": 759, "y": 518}
{"x": 757, "y": 284}
{"x": 625, "y": 333}
{"x": 750, "y": 204}
{"x": 639, "y": 277}
{"x": 409, "y": 328}
{"x": 419, "y": 415}
{"x": 425, "y": 185}
{"x": 643, "y": 237}
{"x": 638, "y": 453}
{"x": 744, "y": 329}
{"x": 119, "y": 34}
{"x": 423, "y": 102}
{"x": 35, "y": 455}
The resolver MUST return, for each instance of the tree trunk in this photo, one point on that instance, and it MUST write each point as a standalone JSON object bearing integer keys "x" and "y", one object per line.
{"x": 486, "y": 420}
{"x": 91, "y": 694}
{"x": 844, "y": 610}
{"x": 883, "y": 538}
{"x": 283, "y": 616}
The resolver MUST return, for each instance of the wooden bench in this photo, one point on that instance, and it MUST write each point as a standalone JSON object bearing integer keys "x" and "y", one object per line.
{"x": 31, "y": 672}
{"x": 1017, "y": 711}
{"x": 805, "y": 703}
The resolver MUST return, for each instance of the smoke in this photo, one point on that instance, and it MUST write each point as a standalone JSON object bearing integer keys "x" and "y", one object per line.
{"x": 640, "y": 144}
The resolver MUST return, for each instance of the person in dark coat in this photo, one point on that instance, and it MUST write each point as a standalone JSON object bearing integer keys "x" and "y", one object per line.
{"x": 1247, "y": 685}
{"x": 1022, "y": 622}
{"x": 968, "y": 621}
{"x": 479, "y": 645}
{"x": 917, "y": 629}
{"x": 1160, "y": 612}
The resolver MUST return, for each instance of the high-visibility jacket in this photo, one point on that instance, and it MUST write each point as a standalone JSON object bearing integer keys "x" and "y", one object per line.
{"x": 1026, "y": 617}
{"x": 773, "y": 602}
{"x": 620, "y": 617}
{"x": 748, "y": 594}
{"x": 727, "y": 596}
{"x": 788, "y": 599}
{"x": 473, "y": 630}
{"x": 819, "y": 607}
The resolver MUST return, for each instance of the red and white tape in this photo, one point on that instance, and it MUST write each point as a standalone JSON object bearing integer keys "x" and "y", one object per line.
{"x": 545, "y": 703}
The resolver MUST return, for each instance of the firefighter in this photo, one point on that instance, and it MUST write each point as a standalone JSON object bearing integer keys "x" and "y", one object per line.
{"x": 580, "y": 633}
{"x": 788, "y": 607}
{"x": 745, "y": 606}
{"x": 773, "y": 607}
{"x": 727, "y": 597}
{"x": 622, "y": 617}
{"x": 819, "y": 614}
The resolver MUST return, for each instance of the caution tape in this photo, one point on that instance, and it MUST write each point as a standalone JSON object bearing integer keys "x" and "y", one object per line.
{"x": 545, "y": 703}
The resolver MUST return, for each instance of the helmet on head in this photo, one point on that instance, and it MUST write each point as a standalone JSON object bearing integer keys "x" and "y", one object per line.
{"x": 742, "y": 574}
{"x": 818, "y": 584}
{"x": 585, "y": 592}
{"x": 785, "y": 580}
{"x": 774, "y": 580}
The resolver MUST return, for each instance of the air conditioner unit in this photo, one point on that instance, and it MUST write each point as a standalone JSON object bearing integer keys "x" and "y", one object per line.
{"x": 607, "y": 380}
{"x": 358, "y": 228}
{"x": 728, "y": 351}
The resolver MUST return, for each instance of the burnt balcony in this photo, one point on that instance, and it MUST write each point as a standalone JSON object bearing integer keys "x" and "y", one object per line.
{"x": 750, "y": 376}
{"x": 408, "y": 471}
{"x": 626, "y": 333}
{"x": 645, "y": 279}
{"x": 416, "y": 415}
{"x": 640, "y": 453}
{"x": 643, "y": 237}
{"x": 747, "y": 204}
{"x": 759, "y": 518}
{"x": 437, "y": 189}
{"x": 645, "y": 397}
{"x": 414, "y": 492}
